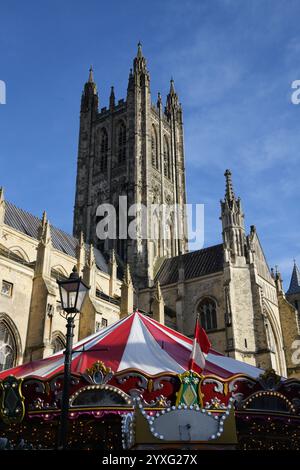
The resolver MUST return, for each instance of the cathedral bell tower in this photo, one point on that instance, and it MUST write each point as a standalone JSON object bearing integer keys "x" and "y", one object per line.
{"x": 133, "y": 148}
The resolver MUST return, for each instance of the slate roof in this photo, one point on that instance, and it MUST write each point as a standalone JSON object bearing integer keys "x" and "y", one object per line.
{"x": 196, "y": 264}
{"x": 29, "y": 224}
{"x": 295, "y": 281}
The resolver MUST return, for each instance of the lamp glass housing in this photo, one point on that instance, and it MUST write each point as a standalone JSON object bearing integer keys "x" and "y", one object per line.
{"x": 72, "y": 294}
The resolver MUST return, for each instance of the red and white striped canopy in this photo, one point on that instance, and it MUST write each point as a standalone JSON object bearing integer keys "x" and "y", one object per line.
{"x": 135, "y": 342}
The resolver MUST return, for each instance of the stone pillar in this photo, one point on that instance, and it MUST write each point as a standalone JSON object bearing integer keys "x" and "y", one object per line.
{"x": 126, "y": 294}
{"x": 43, "y": 263}
{"x": 88, "y": 313}
{"x": 43, "y": 295}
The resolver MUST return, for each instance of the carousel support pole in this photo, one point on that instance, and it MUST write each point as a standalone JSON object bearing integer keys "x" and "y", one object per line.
{"x": 64, "y": 417}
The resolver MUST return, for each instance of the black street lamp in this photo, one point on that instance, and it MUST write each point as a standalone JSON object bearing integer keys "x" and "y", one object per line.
{"x": 72, "y": 293}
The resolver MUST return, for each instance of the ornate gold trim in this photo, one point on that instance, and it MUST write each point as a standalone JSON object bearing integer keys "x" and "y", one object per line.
{"x": 181, "y": 377}
{"x": 98, "y": 366}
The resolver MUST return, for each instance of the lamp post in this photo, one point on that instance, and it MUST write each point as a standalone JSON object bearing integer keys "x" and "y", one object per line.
{"x": 72, "y": 294}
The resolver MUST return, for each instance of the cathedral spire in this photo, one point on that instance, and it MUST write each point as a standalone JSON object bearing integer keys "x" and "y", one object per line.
{"x": 172, "y": 100}
{"x": 112, "y": 98}
{"x": 172, "y": 87}
{"x": 295, "y": 281}
{"x": 91, "y": 75}
{"x": 139, "y": 63}
{"x": 232, "y": 221}
{"x": 89, "y": 99}
{"x": 139, "y": 51}
{"x": 229, "y": 193}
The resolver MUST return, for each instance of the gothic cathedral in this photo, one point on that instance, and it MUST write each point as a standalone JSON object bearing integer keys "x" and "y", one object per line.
{"x": 135, "y": 148}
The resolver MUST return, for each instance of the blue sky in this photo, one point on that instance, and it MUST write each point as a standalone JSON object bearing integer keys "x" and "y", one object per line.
{"x": 233, "y": 62}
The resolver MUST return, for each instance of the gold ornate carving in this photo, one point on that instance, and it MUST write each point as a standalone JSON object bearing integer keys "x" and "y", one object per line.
{"x": 98, "y": 366}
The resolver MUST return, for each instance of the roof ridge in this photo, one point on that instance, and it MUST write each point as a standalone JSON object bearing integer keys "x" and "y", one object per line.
{"x": 197, "y": 251}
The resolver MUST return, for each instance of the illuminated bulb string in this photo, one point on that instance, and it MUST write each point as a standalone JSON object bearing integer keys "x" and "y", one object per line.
{"x": 151, "y": 420}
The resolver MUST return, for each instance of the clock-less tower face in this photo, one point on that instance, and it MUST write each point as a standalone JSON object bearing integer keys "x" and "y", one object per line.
{"x": 132, "y": 149}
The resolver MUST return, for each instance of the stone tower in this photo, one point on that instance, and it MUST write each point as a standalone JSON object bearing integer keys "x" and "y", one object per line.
{"x": 133, "y": 148}
{"x": 233, "y": 225}
{"x": 253, "y": 329}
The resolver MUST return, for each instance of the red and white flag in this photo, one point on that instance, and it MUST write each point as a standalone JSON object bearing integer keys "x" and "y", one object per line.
{"x": 200, "y": 349}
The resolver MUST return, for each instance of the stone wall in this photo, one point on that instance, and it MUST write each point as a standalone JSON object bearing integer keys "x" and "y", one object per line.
{"x": 32, "y": 309}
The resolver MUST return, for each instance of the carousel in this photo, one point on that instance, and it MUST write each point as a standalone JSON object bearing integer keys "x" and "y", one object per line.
{"x": 131, "y": 388}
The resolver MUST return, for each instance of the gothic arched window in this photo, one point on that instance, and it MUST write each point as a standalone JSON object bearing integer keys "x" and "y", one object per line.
{"x": 167, "y": 160}
{"x": 103, "y": 150}
{"x": 154, "y": 149}
{"x": 58, "y": 343}
{"x": 8, "y": 347}
{"x": 122, "y": 143}
{"x": 208, "y": 314}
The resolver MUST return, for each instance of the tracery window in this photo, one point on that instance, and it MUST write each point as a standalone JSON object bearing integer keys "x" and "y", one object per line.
{"x": 57, "y": 344}
{"x": 154, "y": 149}
{"x": 208, "y": 314}
{"x": 122, "y": 143}
{"x": 167, "y": 160}
{"x": 8, "y": 348}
